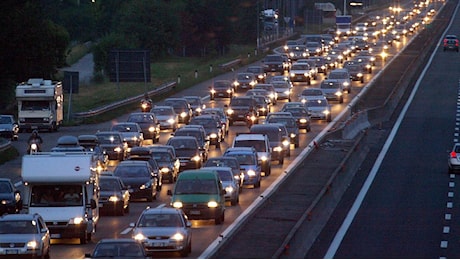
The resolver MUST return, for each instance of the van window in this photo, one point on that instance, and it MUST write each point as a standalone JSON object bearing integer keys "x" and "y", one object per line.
{"x": 56, "y": 195}
{"x": 196, "y": 186}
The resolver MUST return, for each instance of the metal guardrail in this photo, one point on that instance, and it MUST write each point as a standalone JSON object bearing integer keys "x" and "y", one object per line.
{"x": 100, "y": 110}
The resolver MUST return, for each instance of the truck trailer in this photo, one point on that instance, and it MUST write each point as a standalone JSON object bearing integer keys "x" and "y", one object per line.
{"x": 343, "y": 25}
{"x": 40, "y": 104}
{"x": 63, "y": 188}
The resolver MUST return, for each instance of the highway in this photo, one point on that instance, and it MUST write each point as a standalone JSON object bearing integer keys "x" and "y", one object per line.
{"x": 204, "y": 232}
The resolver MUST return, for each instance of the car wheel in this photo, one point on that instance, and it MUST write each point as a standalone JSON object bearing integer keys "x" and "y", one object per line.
{"x": 218, "y": 144}
{"x": 83, "y": 239}
{"x": 268, "y": 171}
{"x": 120, "y": 211}
{"x": 234, "y": 201}
{"x": 257, "y": 185}
{"x": 220, "y": 219}
{"x": 186, "y": 251}
{"x": 362, "y": 80}
{"x": 281, "y": 161}
{"x": 341, "y": 100}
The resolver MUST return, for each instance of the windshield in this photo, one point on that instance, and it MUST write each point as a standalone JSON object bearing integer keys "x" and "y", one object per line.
{"x": 338, "y": 75}
{"x": 180, "y": 143}
{"x": 316, "y": 103}
{"x": 109, "y": 185}
{"x": 35, "y": 105}
{"x": 162, "y": 156}
{"x": 300, "y": 67}
{"x": 108, "y": 139}
{"x": 288, "y": 122}
{"x": 196, "y": 186}
{"x": 18, "y": 227}
{"x": 244, "y": 77}
{"x": 5, "y": 120}
{"x": 162, "y": 111}
{"x": 244, "y": 159}
{"x": 259, "y": 145}
{"x": 225, "y": 175}
{"x": 131, "y": 171}
{"x": 145, "y": 118}
{"x": 56, "y": 195}
{"x": 124, "y": 128}
{"x": 160, "y": 220}
{"x": 241, "y": 102}
{"x": 329, "y": 85}
{"x": 221, "y": 162}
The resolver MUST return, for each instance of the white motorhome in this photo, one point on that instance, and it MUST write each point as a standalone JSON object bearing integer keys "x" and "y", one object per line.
{"x": 40, "y": 104}
{"x": 63, "y": 188}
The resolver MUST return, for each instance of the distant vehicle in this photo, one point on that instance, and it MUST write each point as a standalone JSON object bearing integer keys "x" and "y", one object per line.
{"x": 311, "y": 93}
{"x": 182, "y": 108}
{"x": 163, "y": 229}
{"x": 9, "y": 127}
{"x": 196, "y": 104}
{"x": 319, "y": 109}
{"x": 343, "y": 77}
{"x": 138, "y": 176}
{"x": 168, "y": 162}
{"x": 290, "y": 123}
{"x": 149, "y": 124}
{"x": 199, "y": 133}
{"x": 187, "y": 151}
{"x": 333, "y": 89}
{"x": 218, "y": 111}
{"x": 261, "y": 143}
{"x": 298, "y": 52}
{"x": 279, "y": 141}
{"x": 243, "y": 109}
{"x": 167, "y": 117}
{"x": 300, "y": 72}
{"x": 144, "y": 153}
{"x": 227, "y": 161}
{"x": 24, "y": 236}
{"x": 301, "y": 116}
{"x": 450, "y": 42}
{"x": 244, "y": 81}
{"x": 453, "y": 161}
{"x": 212, "y": 126}
{"x": 248, "y": 159}
{"x": 10, "y": 197}
{"x": 117, "y": 248}
{"x": 131, "y": 132}
{"x": 113, "y": 145}
{"x": 113, "y": 195}
{"x": 258, "y": 72}
{"x": 221, "y": 89}
{"x": 314, "y": 48}
{"x": 229, "y": 183}
{"x": 274, "y": 63}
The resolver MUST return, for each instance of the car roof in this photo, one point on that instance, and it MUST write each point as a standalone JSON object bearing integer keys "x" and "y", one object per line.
{"x": 162, "y": 210}
{"x": 133, "y": 163}
{"x": 19, "y": 216}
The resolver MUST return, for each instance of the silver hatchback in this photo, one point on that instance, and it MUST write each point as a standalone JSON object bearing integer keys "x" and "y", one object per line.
{"x": 453, "y": 161}
{"x": 164, "y": 229}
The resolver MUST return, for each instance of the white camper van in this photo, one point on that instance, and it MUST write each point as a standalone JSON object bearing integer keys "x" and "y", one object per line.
{"x": 63, "y": 188}
{"x": 40, "y": 104}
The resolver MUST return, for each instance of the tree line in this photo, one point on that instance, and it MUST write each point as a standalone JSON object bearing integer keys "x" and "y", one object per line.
{"x": 36, "y": 35}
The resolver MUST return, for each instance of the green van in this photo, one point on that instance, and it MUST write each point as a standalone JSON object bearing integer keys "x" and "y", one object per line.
{"x": 199, "y": 193}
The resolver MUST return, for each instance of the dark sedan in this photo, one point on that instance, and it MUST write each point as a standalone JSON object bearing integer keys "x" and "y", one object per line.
{"x": 8, "y": 127}
{"x": 10, "y": 197}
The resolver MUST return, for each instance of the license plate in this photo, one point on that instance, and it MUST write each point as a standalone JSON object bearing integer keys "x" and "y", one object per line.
{"x": 11, "y": 251}
{"x": 183, "y": 163}
{"x": 158, "y": 244}
{"x": 55, "y": 235}
{"x": 220, "y": 94}
{"x": 240, "y": 116}
{"x": 195, "y": 212}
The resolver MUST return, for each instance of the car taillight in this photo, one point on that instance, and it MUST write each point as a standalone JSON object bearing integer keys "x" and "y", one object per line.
{"x": 453, "y": 154}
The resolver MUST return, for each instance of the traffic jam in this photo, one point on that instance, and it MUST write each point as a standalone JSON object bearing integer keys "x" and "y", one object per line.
{"x": 182, "y": 170}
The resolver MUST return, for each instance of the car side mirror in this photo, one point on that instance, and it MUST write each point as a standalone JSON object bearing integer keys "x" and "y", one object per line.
{"x": 93, "y": 204}
{"x": 223, "y": 192}
{"x": 43, "y": 230}
{"x": 131, "y": 224}
{"x": 188, "y": 224}
{"x": 169, "y": 193}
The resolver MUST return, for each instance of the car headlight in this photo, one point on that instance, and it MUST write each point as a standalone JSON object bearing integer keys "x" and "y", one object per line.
{"x": 326, "y": 112}
{"x": 151, "y": 129}
{"x": 183, "y": 114}
{"x": 114, "y": 198}
{"x": 306, "y": 74}
{"x": 263, "y": 158}
{"x": 236, "y": 83}
{"x": 230, "y": 111}
{"x": 32, "y": 244}
{"x": 360, "y": 74}
{"x": 292, "y": 135}
{"x": 171, "y": 121}
{"x": 177, "y": 204}
{"x": 251, "y": 173}
{"x": 146, "y": 185}
{"x": 278, "y": 149}
{"x": 118, "y": 149}
{"x": 212, "y": 204}
{"x": 292, "y": 74}
{"x": 303, "y": 120}
{"x": 164, "y": 170}
{"x": 213, "y": 135}
{"x": 338, "y": 93}
{"x": 213, "y": 91}
{"x": 140, "y": 237}
{"x": 76, "y": 221}
{"x": 346, "y": 83}
{"x": 287, "y": 92}
{"x": 229, "y": 189}
{"x": 177, "y": 237}
{"x": 196, "y": 158}
{"x": 229, "y": 91}
{"x": 286, "y": 143}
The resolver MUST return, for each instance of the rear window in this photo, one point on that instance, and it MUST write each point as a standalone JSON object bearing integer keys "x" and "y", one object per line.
{"x": 259, "y": 145}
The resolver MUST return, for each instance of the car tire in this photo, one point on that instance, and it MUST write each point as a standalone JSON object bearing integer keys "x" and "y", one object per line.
{"x": 341, "y": 99}
{"x": 218, "y": 144}
{"x": 220, "y": 219}
{"x": 362, "y": 80}
{"x": 186, "y": 251}
{"x": 328, "y": 119}
{"x": 83, "y": 239}
{"x": 281, "y": 161}
{"x": 257, "y": 185}
{"x": 120, "y": 211}
{"x": 234, "y": 201}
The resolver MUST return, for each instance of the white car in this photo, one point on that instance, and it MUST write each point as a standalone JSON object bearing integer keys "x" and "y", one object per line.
{"x": 300, "y": 72}
{"x": 454, "y": 158}
{"x": 343, "y": 76}
{"x": 319, "y": 109}
{"x": 229, "y": 183}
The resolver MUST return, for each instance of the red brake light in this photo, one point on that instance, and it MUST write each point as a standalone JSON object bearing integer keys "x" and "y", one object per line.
{"x": 453, "y": 154}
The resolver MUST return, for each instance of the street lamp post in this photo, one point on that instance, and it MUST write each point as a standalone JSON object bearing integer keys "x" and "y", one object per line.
{"x": 344, "y": 7}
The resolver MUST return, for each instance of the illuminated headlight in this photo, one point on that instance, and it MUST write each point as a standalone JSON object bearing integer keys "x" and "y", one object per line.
{"x": 286, "y": 48}
{"x": 368, "y": 66}
{"x": 360, "y": 74}
{"x": 318, "y": 50}
{"x": 287, "y": 92}
{"x": 372, "y": 58}
{"x": 151, "y": 129}
{"x": 278, "y": 149}
{"x": 251, "y": 173}
{"x": 177, "y": 204}
{"x": 236, "y": 83}
{"x": 340, "y": 57}
{"x": 303, "y": 100}
{"x": 140, "y": 237}
{"x": 260, "y": 76}
{"x": 323, "y": 67}
{"x": 292, "y": 135}
{"x": 230, "y": 111}
{"x": 32, "y": 244}
{"x": 198, "y": 109}
{"x": 304, "y": 54}
{"x": 303, "y": 120}
{"x": 145, "y": 186}
{"x": 292, "y": 74}
{"x": 383, "y": 54}
{"x": 286, "y": 143}
{"x": 346, "y": 84}
{"x": 306, "y": 74}
{"x": 326, "y": 112}
{"x": 171, "y": 121}
{"x": 114, "y": 199}
{"x": 164, "y": 170}
{"x": 117, "y": 149}
{"x": 76, "y": 221}
{"x": 144, "y": 106}
{"x": 196, "y": 158}
{"x": 229, "y": 91}
{"x": 253, "y": 83}
{"x": 272, "y": 96}
{"x": 212, "y": 204}
{"x": 237, "y": 177}
{"x": 213, "y": 91}
{"x": 264, "y": 158}
{"x": 177, "y": 237}
{"x": 33, "y": 146}
{"x": 213, "y": 135}
{"x": 4, "y": 202}
{"x": 263, "y": 109}
{"x": 253, "y": 118}
{"x": 291, "y": 54}
{"x": 46, "y": 119}
{"x": 229, "y": 189}
{"x": 183, "y": 114}
{"x": 338, "y": 93}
